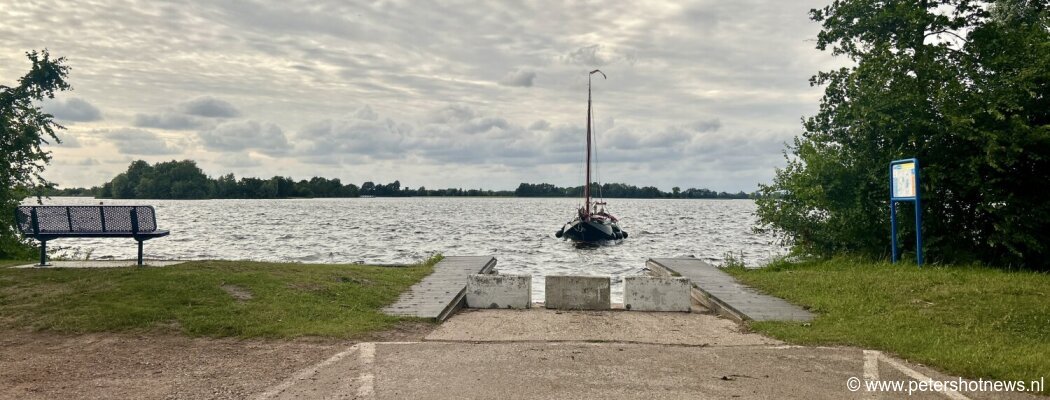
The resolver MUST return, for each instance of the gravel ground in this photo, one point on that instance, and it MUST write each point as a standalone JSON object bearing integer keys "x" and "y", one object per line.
{"x": 40, "y": 365}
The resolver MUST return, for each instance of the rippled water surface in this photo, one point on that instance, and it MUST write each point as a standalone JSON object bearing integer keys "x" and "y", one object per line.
{"x": 519, "y": 232}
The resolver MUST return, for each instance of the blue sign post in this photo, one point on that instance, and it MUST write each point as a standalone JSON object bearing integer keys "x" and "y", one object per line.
{"x": 904, "y": 186}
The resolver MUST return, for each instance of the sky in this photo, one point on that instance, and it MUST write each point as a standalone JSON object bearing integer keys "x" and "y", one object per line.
{"x": 486, "y": 95}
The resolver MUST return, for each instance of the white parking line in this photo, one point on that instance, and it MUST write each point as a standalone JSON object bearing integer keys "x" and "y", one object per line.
{"x": 366, "y": 381}
{"x": 871, "y": 365}
{"x": 951, "y": 394}
{"x": 306, "y": 373}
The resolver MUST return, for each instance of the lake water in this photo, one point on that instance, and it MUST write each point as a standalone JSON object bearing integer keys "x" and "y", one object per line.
{"x": 519, "y": 232}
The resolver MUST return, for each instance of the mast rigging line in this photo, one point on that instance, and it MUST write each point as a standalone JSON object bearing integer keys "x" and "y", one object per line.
{"x": 597, "y": 163}
{"x": 587, "y": 182}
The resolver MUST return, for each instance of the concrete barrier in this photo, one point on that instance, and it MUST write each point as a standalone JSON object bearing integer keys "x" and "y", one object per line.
{"x": 648, "y": 293}
{"x": 499, "y": 291}
{"x": 571, "y": 292}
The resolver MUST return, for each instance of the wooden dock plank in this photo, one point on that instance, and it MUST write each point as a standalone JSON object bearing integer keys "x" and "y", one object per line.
{"x": 721, "y": 292}
{"x": 441, "y": 293}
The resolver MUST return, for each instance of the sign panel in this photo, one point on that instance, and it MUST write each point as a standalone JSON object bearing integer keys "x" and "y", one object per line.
{"x": 903, "y": 185}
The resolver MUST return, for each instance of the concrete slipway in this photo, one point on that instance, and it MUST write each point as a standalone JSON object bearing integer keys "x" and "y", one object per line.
{"x": 551, "y": 354}
{"x": 720, "y": 292}
{"x": 441, "y": 293}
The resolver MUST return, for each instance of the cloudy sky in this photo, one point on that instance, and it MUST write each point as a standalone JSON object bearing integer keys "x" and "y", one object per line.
{"x": 441, "y": 94}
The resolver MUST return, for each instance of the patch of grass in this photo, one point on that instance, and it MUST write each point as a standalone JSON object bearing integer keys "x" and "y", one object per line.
{"x": 11, "y": 263}
{"x": 273, "y": 300}
{"x": 971, "y": 321}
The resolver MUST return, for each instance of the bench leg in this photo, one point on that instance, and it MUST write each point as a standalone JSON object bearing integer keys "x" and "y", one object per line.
{"x": 140, "y": 252}
{"x": 43, "y": 253}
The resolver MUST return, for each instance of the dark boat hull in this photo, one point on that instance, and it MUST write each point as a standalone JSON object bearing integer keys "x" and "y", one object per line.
{"x": 591, "y": 231}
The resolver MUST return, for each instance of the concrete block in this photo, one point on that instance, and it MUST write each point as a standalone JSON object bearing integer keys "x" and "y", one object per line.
{"x": 572, "y": 292}
{"x": 649, "y": 293}
{"x": 499, "y": 291}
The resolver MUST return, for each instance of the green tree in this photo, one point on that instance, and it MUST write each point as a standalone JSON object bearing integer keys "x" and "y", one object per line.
{"x": 283, "y": 187}
{"x": 368, "y": 189}
{"x": 185, "y": 179}
{"x": 225, "y": 187}
{"x": 960, "y": 86}
{"x": 129, "y": 184}
{"x": 349, "y": 190}
{"x": 24, "y": 131}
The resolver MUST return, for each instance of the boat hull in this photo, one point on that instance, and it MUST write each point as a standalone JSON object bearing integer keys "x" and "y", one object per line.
{"x": 591, "y": 231}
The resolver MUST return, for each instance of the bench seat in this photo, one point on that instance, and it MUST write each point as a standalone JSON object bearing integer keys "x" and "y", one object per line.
{"x": 74, "y": 234}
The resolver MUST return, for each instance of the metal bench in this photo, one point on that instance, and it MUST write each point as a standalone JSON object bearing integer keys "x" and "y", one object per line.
{"x": 46, "y": 223}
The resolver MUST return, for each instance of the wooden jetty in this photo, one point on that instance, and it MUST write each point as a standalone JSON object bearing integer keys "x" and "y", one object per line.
{"x": 441, "y": 293}
{"x": 720, "y": 292}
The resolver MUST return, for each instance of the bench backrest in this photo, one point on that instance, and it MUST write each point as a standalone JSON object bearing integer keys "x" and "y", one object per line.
{"x": 85, "y": 219}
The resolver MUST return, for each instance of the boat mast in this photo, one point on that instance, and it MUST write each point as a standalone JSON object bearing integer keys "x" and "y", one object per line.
{"x": 587, "y": 184}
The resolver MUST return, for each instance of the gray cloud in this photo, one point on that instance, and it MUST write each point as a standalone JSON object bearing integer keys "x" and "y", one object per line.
{"x": 81, "y": 162}
{"x": 366, "y": 113}
{"x": 238, "y": 160}
{"x": 207, "y": 106}
{"x": 379, "y": 139}
{"x": 121, "y": 162}
{"x": 139, "y": 142}
{"x": 264, "y": 137}
{"x": 596, "y": 55}
{"x": 484, "y": 124}
{"x": 72, "y": 109}
{"x": 521, "y": 78}
{"x": 587, "y": 56}
{"x": 167, "y": 120}
{"x": 69, "y": 141}
{"x": 539, "y": 125}
{"x": 451, "y": 113}
{"x": 709, "y": 125}
{"x": 670, "y": 138}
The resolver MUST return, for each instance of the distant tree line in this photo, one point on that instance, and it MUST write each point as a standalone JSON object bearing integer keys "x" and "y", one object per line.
{"x": 185, "y": 180}
{"x": 622, "y": 190}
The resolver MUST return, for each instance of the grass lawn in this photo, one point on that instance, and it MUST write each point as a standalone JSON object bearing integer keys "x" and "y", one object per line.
{"x": 11, "y": 263}
{"x": 207, "y": 298}
{"x": 965, "y": 320}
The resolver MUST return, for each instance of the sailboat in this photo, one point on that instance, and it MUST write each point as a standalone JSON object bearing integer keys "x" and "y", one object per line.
{"x": 592, "y": 223}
